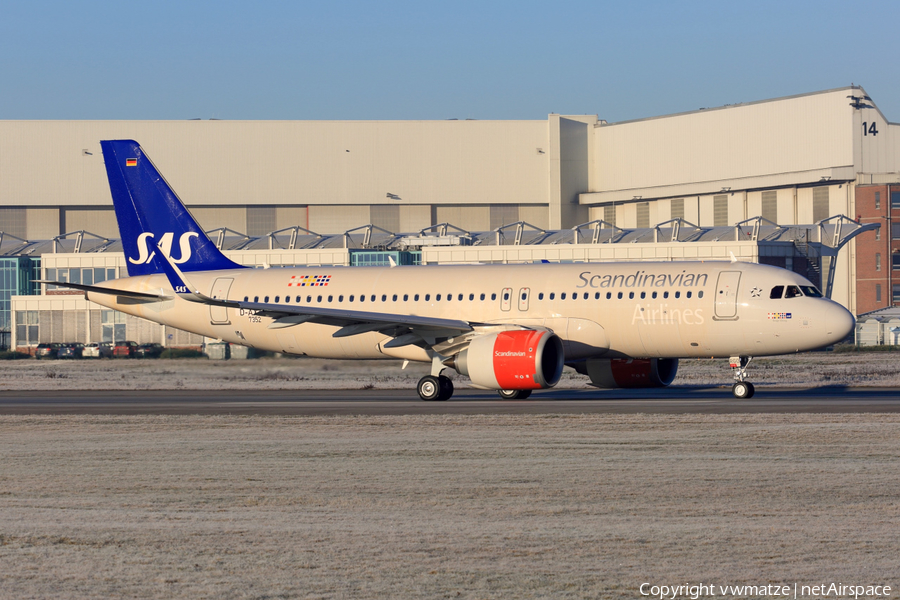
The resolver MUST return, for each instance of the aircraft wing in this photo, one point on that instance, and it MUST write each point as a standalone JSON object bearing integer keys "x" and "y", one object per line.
{"x": 405, "y": 329}
{"x": 284, "y": 316}
{"x": 351, "y": 322}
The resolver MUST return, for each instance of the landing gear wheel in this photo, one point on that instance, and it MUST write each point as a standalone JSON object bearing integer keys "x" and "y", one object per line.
{"x": 446, "y": 385}
{"x": 429, "y": 388}
{"x": 514, "y": 394}
{"x": 742, "y": 390}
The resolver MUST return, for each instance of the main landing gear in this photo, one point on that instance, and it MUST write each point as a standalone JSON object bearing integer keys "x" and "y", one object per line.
{"x": 435, "y": 388}
{"x": 514, "y": 394}
{"x": 742, "y": 390}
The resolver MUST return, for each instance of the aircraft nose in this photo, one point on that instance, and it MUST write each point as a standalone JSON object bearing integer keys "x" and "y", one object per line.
{"x": 839, "y": 322}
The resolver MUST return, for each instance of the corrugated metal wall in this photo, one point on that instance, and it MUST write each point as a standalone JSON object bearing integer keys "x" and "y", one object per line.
{"x": 786, "y": 135}
{"x": 59, "y": 163}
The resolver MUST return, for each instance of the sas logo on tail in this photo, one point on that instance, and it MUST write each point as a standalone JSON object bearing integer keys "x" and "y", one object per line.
{"x": 309, "y": 280}
{"x": 145, "y": 254}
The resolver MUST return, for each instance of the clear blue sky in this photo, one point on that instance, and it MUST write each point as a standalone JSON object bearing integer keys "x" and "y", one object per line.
{"x": 434, "y": 60}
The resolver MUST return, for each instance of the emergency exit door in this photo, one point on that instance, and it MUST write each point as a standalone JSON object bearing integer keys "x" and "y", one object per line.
{"x": 726, "y": 294}
{"x": 218, "y": 315}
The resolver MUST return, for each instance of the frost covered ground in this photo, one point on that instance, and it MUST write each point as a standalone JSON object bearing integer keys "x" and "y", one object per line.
{"x": 880, "y": 369}
{"x": 510, "y": 506}
{"x": 506, "y": 506}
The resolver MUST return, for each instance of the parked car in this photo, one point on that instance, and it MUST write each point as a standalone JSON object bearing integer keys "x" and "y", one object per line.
{"x": 124, "y": 349}
{"x": 98, "y": 350}
{"x": 148, "y": 351}
{"x": 47, "y": 351}
{"x": 74, "y": 350}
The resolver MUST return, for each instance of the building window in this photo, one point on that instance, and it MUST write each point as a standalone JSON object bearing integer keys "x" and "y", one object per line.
{"x": 895, "y": 200}
{"x": 895, "y": 262}
{"x": 27, "y": 328}
{"x": 86, "y": 275}
{"x": 896, "y": 294}
{"x": 678, "y": 208}
{"x": 112, "y": 325}
{"x": 385, "y": 216}
{"x": 609, "y": 214}
{"x": 877, "y": 200}
{"x": 895, "y": 231}
{"x": 503, "y": 214}
{"x": 14, "y": 221}
{"x": 720, "y": 211}
{"x": 878, "y": 292}
{"x": 770, "y": 206}
{"x": 878, "y": 234}
{"x": 643, "y": 215}
{"x": 877, "y": 262}
{"x": 261, "y": 220}
{"x": 820, "y": 204}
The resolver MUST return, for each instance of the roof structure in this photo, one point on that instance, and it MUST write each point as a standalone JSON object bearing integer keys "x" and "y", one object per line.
{"x": 828, "y": 236}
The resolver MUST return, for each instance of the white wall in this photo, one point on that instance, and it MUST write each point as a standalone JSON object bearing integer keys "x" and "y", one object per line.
{"x": 796, "y": 134}
{"x": 44, "y": 163}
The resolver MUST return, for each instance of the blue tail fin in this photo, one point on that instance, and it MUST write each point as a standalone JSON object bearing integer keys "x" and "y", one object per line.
{"x": 152, "y": 218}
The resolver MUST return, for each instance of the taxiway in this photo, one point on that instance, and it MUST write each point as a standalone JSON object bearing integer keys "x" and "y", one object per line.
{"x": 673, "y": 400}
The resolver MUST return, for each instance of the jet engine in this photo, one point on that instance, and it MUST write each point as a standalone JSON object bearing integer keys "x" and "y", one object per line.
{"x": 512, "y": 360}
{"x": 629, "y": 372}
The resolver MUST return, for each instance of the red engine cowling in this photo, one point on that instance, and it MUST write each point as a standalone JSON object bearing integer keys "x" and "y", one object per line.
{"x": 513, "y": 360}
{"x": 630, "y": 372}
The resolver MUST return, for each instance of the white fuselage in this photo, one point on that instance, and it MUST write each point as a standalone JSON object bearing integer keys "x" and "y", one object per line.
{"x": 666, "y": 310}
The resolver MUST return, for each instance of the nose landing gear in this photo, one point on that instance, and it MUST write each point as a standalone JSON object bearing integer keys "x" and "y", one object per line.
{"x": 742, "y": 390}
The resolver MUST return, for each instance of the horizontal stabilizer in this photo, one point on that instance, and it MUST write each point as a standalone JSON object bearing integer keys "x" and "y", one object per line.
{"x": 107, "y": 290}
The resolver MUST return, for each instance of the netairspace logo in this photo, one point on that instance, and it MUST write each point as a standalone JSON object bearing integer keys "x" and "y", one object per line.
{"x": 794, "y": 591}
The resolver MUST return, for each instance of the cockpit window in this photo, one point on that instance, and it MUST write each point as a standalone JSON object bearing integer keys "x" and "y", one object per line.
{"x": 792, "y": 292}
{"x": 811, "y": 291}
{"x": 777, "y": 291}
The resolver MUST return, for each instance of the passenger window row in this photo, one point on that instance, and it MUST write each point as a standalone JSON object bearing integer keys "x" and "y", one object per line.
{"x": 482, "y": 297}
{"x": 621, "y": 295}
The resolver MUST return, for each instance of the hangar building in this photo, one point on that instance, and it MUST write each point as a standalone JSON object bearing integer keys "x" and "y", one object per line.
{"x": 802, "y": 167}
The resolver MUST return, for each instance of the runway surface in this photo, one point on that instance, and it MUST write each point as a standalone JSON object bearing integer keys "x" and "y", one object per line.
{"x": 674, "y": 400}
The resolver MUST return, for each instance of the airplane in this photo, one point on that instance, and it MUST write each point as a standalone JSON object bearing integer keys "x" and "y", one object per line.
{"x": 509, "y": 328}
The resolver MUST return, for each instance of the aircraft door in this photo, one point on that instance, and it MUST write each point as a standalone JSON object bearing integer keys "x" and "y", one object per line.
{"x": 523, "y": 298}
{"x": 506, "y": 299}
{"x": 218, "y": 315}
{"x": 726, "y": 295}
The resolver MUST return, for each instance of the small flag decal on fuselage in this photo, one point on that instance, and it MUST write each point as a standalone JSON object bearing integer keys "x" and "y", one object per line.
{"x": 309, "y": 280}
{"x": 779, "y": 316}
{"x": 130, "y": 162}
